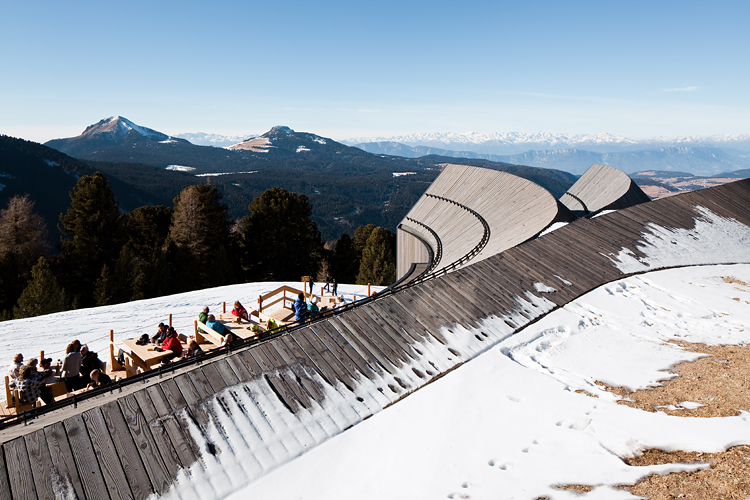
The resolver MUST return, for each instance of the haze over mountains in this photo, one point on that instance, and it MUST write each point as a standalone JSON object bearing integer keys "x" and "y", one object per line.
{"x": 704, "y": 156}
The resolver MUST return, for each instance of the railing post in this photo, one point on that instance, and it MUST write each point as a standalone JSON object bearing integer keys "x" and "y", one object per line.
{"x": 112, "y": 349}
{"x": 260, "y": 304}
{"x": 41, "y": 356}
{"x": 170, "y": 320}
{"x": 368, "y": 289}
{"x": 223, "y": 308}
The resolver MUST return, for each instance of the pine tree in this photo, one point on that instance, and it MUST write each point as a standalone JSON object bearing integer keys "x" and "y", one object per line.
{"x": 278, "y": 241}
{"x": 345, "y": 261}
{"x": 91, "y": 236}
{"x": 23, "y": 232}
{"x": 378, "y": 265}
{"x": 42, "y": 295}
{"x": 199, "y": 238}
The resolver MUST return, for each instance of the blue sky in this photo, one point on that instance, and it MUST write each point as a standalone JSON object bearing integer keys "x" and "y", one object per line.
{"x": 345, "y": 69}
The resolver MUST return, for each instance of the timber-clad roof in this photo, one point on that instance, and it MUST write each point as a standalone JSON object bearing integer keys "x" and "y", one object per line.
{"x": 269, "y": 402}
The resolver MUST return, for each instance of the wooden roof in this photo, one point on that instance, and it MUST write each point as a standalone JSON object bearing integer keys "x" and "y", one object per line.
{"x": 269, "y": 402}
{"x": 602, "y": 187}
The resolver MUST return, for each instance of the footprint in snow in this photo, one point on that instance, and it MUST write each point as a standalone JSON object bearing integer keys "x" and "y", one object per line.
{"x": 514, "y": 399}
{"x": 459, "y": 495}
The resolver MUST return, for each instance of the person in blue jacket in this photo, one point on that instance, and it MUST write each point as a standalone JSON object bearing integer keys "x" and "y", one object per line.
{"x": 300, "y": 308}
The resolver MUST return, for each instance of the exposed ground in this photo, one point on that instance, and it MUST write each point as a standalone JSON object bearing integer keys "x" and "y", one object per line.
{"x": 720, "y": 383}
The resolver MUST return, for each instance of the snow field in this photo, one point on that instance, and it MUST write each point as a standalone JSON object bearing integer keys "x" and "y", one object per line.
{"x": 509, "y": 424}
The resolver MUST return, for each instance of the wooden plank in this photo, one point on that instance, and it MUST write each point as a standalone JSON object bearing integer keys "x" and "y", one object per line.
{"x": 106, "y": 455}
{"x": 201, "y": 383}
{"x": 130, "y": 459}
{"x": 212, "y": 375}
{"x": 294, "y": 385}
{"x": 406, "y": 299}
{"x": 324, "y": 328}
{"x": 157, "y": 472}
{"x": 342, "y": 374}
{"x": 19, "y": 470}
{"x": 279, "y": 386}
{"x": 62, "y": 458}
{"x": 226, "y": 372}
{"x": 172, "y": 393}
{"x": 320, "y": 364}
{"x": 372, "y": 329}
{"x": 297, "y": 364}
{"x": 4, "y": 482}
{"x": 161, "y": 437}
{"x": 388, "y": 329}
{"x": 86, "y": 461}
{"x": 351, "y": 332}
{"x": 41, "y": 464}
{"x": 239, "y": 368}
{"x": 180, "y": 438}
{"x": 332, "y": 349}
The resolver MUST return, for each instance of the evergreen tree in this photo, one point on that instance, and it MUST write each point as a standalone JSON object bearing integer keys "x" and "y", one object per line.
{"x": 12, "y": 283}
{"x": 91, "y": 236}
{"x": 199, "y": 238}
{"x": 23, "y": 232}
{"x": 345, "y": 261}
{"x": 378, "y": 265}
{"x": 278, "y": 241}
{"x": 361, "y": 235}
{"x": 104, "y": 288}
{"x": 42, "y": 295}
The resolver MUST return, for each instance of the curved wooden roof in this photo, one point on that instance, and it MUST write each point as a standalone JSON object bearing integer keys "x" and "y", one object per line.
{"x": 466, "y": 205}
{"x": 602, "y": 187}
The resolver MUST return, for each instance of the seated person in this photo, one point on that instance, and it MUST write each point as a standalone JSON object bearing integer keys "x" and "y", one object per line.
{"x": 45, "y": 368}
{"x": 161, "y": 334}
{"x": 31, "y": 386}
{"x": 229, "y": 338}
{"x": 15, "y": 366}
{"x": 240, "y": 312}
{"x": 271, "y": 325}
{"x": 215, "y": 325}
{"x": 98, "y": 379}
{"x": 89, "y": 361}
{"x": 203, "y": 317}
{"x": 312, "y": 307}
{"x": 172, "y": 343}
{"x": 193, "y": 350}
{"x": 300, "y": 308}
{"x": 71, "y": 368}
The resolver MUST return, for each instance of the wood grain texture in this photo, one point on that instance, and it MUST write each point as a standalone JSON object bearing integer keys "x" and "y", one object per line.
{"x": 106, "y": 455}
{"x": 19, "y": 470}
{"x": 41, "y": 464}
{"x": 62, "y": 459}
{"x": 85, "y": 458}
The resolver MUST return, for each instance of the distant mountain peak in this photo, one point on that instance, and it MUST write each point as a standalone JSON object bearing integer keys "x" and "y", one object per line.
{"x": 118, "y": 127}
{"x": 278, "y": 130}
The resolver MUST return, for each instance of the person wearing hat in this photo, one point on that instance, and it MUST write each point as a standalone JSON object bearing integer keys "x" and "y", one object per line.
{"x": 15, "y": 367}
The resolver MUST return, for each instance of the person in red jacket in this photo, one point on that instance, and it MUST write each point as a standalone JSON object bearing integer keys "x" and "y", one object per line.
{"x": 240, "y": 312}
{"x": 172, "y": 343}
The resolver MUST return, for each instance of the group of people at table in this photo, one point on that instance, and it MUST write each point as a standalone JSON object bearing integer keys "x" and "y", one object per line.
{"x": 80, "y": 369}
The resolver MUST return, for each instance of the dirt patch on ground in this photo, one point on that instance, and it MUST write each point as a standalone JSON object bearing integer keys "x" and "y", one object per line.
{"x": 719, "y": 382}
{"x": 732, "y": 279}
{"x": 727, "y": 478}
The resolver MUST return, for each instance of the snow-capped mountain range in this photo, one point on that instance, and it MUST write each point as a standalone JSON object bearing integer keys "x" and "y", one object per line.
{"x": 507, "y": 143}
{"x": 216, "y": 140}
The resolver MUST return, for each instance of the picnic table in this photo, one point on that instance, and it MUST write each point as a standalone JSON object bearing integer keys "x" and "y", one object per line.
{"x": 145, "y": 353}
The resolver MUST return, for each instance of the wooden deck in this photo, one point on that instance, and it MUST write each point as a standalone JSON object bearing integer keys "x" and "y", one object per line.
{"x": 341, "y": 369}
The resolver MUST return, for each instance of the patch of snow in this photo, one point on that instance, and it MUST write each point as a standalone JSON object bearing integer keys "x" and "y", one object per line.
{"x": 168, "y": 141}
{"x": 690, "y": 405}
{"x": 215, "y": 174}
{"x": 52, "y": 163}
{"x": 542, "y": 288}
{"x": 553, "y": 227}
{"x": 603, "y": 212}
{"x": 319, "y": 140}
{"x": 302, "y": 148}
{"x": 399, "y": 174}
{"x": 180, "y": 168}
{"x": 713, "y": 238}
{"x": 564, "y": 281}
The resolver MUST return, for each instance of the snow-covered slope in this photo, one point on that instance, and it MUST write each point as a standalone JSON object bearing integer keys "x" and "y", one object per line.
{"x": 508, "y": 424}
